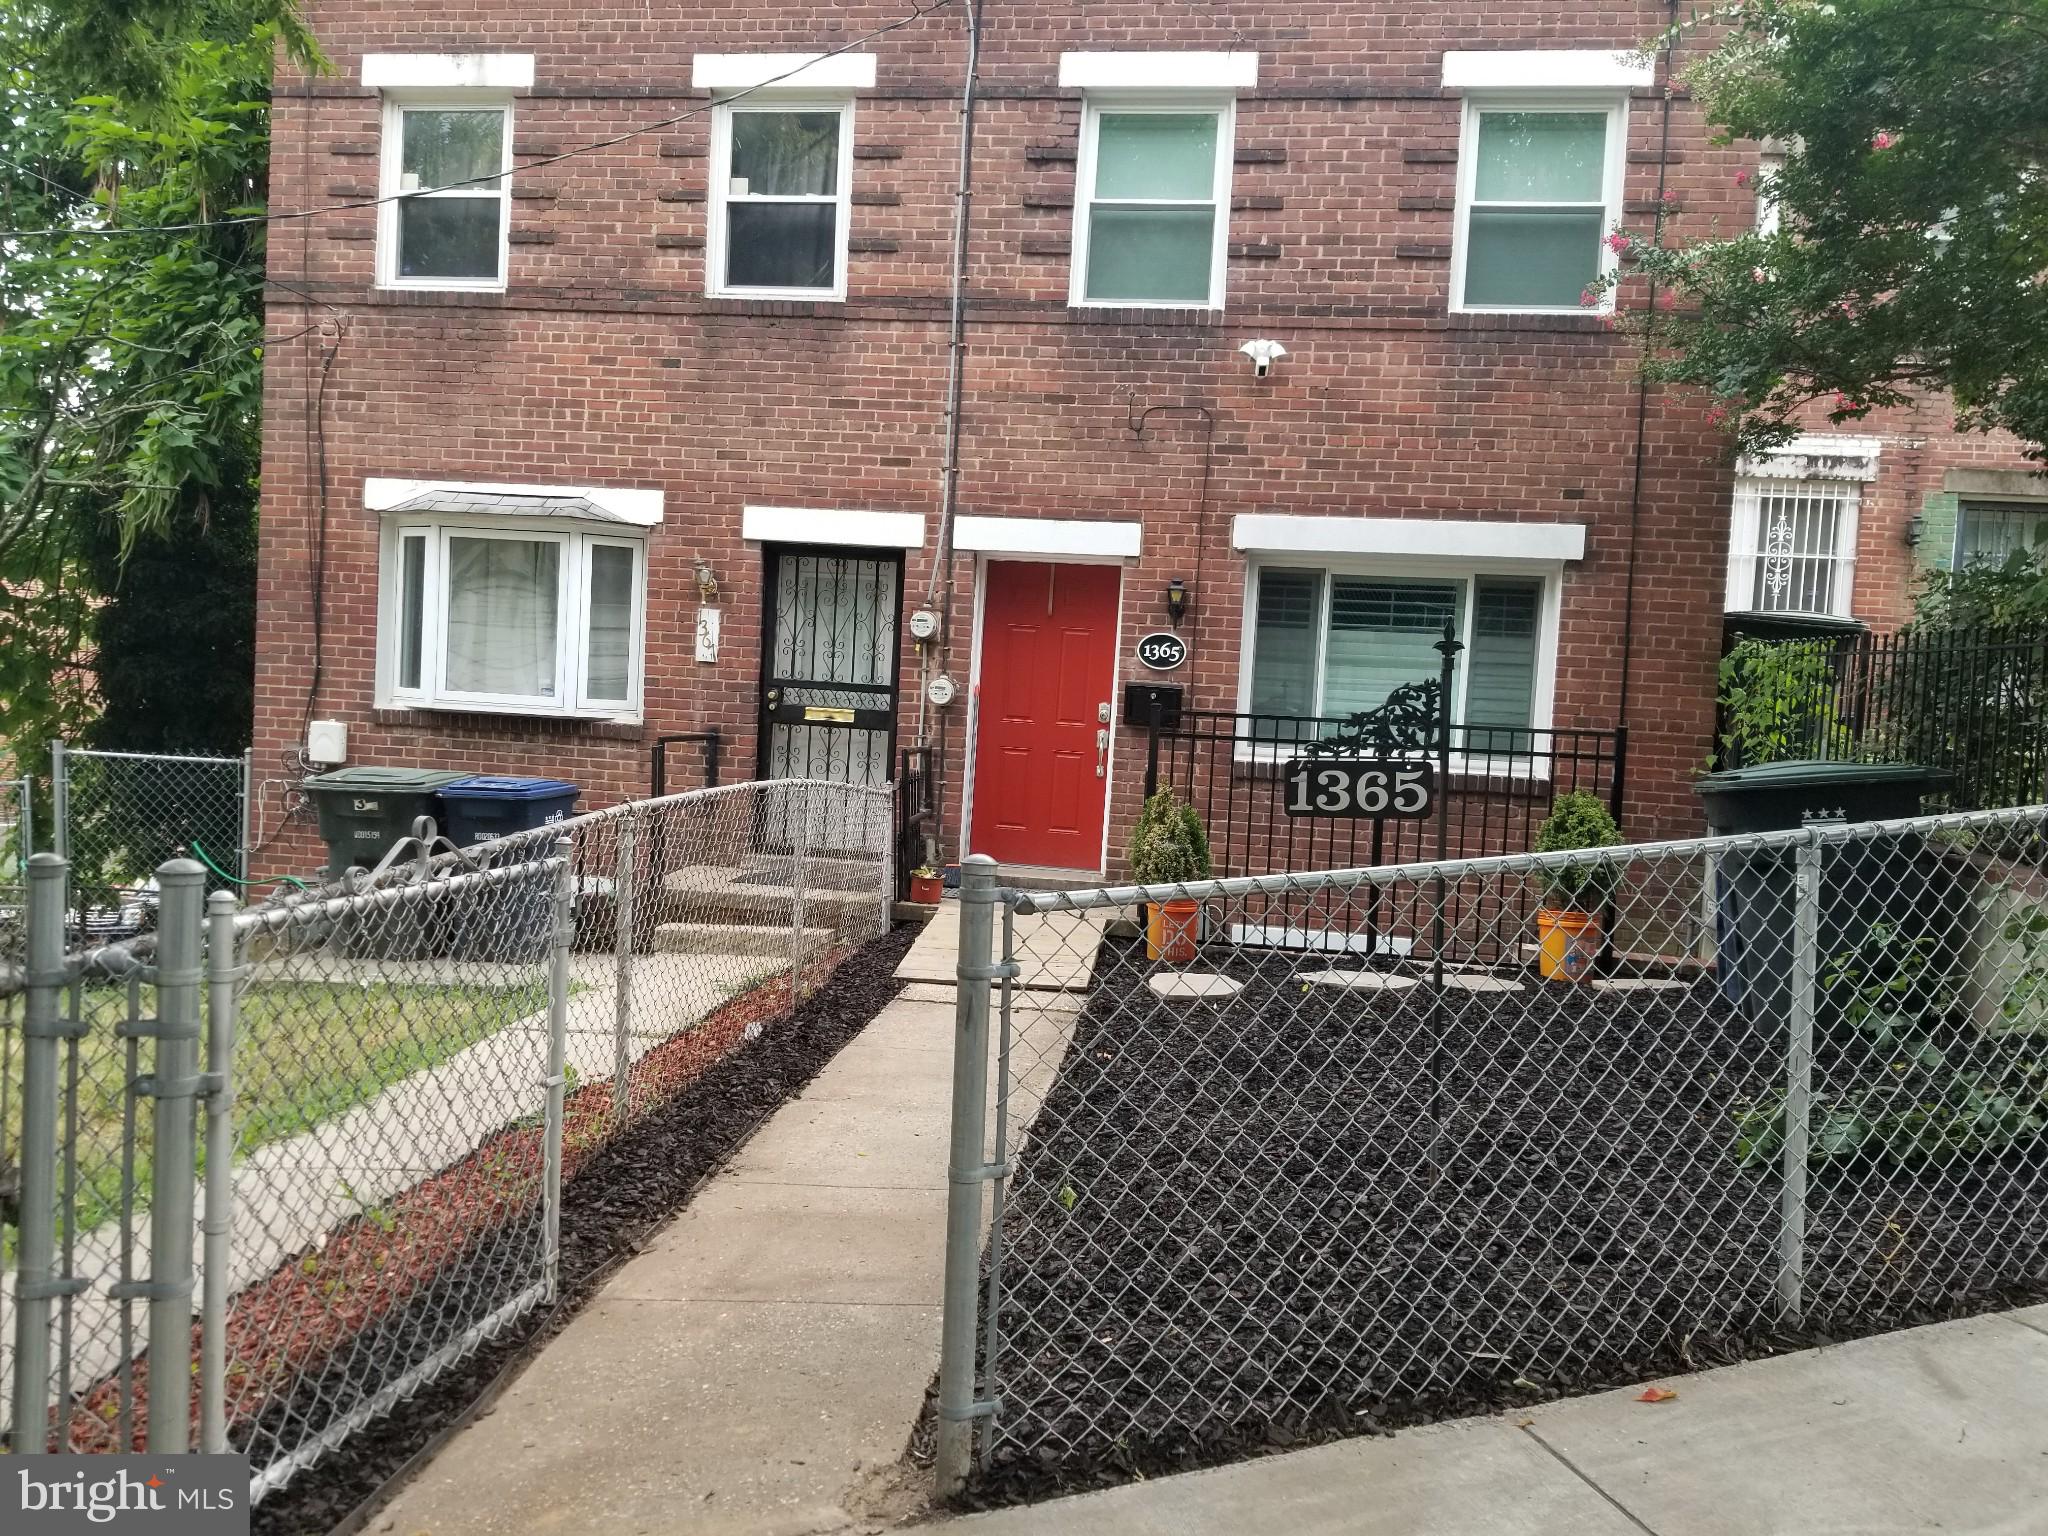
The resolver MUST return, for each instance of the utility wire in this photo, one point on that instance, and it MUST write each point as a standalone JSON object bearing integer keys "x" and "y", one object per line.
{"x": 919, "y": 10}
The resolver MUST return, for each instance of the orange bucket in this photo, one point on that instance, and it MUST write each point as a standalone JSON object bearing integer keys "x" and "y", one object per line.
{"x": 1567, "y": 944}
{"x": 1172, "y": 930}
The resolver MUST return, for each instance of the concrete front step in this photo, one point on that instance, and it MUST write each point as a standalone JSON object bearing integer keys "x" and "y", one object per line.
{"x": 711, "y": 895}
{"x": 734, "y": 939}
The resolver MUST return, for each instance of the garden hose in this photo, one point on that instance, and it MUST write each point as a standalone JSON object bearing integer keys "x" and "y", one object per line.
{"x": 199, "y": 853}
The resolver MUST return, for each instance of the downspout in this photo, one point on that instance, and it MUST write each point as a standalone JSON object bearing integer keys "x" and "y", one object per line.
{"x": 1635, "y": 500}
{"x": 956, "y": 356}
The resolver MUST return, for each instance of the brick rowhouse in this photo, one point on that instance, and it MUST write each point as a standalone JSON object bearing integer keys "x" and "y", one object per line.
{"x": 601, "y": 362}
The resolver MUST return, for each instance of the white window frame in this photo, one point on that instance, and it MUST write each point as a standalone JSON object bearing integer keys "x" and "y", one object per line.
{"x": 1224, "y": 107}
{"x": 1549, "y": 579}
{"x": 571, "y": 699}
{"x": 1746, "y": 527}
{"x": 391, "y": 159}
{"x": 1615, "y": 169}
{"x": 718, "y": 225}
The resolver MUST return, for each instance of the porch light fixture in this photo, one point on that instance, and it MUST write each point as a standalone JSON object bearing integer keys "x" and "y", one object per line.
{"x": 1176, "y": 601}
{"x": 707, "y": 582}
{"x": 1916, "y": 528}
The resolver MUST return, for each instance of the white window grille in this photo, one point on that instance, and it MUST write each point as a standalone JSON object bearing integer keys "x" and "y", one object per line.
{"x": 1793, "y": 546}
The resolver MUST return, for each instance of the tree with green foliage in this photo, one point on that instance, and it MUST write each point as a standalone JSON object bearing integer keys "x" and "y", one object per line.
{"x": 1911, "y": 236}
{"x": 134, "y": 152}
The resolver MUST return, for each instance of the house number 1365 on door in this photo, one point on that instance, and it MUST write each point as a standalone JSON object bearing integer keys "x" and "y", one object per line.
{"x": 1369, "y": 788}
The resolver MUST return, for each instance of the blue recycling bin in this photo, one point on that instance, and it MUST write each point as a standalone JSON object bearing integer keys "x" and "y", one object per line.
{"x": 493, "y": 805}
{"x": 488, "y": 805}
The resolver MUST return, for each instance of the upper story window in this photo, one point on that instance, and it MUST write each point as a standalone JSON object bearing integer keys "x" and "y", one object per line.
{"x": 446, "y": 215}
{"x": 1152, "y": 182}
{"x": 495, "y": 602}
{"x": 781, "y": 176}
{"x": 1792, "y": 544}
{"x": 781, "y": 171}
{"x": 1151, "y": 226}
{"x": 1541, "y": 158}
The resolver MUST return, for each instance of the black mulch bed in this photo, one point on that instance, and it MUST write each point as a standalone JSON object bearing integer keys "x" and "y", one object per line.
{"x": 611, "y": 1207}
{"x": 1314, "y": 1212}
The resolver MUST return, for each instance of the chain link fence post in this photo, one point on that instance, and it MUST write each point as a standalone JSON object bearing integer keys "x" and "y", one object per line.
{"x": 42, "y": 1027}
{"x": 967, "y": 1171}
{"x": 223, "y": 975}
{"x": 245, "y": 835}
{"x": 174, "y": 1084}
{"x": 60, "y": 801}
{"x": 800, "y": 868}
{"x": 625, "y": 883}
{"x": 563, "y": 937}
{"x": 1806, "y": 884}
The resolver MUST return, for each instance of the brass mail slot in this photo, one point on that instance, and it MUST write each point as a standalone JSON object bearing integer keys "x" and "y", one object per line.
{"x": 827, "y": 712}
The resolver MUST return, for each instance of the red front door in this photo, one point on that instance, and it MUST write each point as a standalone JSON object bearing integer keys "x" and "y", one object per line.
{"x": 1048, "y": 663}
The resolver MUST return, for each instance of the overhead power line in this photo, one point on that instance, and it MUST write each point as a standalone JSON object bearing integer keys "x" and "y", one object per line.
{"x": 919, "y": 10}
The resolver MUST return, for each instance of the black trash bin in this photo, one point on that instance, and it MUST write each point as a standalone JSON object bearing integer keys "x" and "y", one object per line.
{"x": 514, "y": 924}
{"x": 365, "y": 811}
{"x": 1896, "y": 880}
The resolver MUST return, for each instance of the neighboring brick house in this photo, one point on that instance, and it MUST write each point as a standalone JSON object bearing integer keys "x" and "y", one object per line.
{"x": 527, "y": 445}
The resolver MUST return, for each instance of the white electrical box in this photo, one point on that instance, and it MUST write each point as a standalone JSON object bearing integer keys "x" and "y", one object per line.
{"x": 327, "y": 741}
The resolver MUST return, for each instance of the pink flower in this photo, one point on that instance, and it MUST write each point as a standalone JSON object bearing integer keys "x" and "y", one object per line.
{"x": 1716, "y": 416}
{"x": 1742, "y": 178}
{"x": 1617, "y": 242}
{"x": 1670, "y": 196}
{"x": 1667, "y": 300}
{"x": 1588, "y": 298}
{"x": 1611, "y": 321}
{"x": 1882, "y": 140}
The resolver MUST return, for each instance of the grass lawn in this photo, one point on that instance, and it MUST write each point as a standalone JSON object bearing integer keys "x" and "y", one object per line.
{"x": 305, "y": 1051}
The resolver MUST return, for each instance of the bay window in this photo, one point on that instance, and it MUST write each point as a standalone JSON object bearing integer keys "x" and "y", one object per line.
{"x": 1335, "y": 642}
{"x": 522, "y": 620}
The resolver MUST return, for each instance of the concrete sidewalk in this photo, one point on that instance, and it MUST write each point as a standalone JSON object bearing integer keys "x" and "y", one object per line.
{"x": 1943, "y": 1428}
{"x": 759, "y": 1368}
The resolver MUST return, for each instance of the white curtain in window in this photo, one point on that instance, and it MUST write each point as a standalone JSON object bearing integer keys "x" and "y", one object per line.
{"x": 503, "y": 596}
{"x": 611, "y": 621}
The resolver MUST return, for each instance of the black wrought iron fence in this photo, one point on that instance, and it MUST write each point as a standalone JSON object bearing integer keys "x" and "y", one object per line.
{"x": 1495, "y": 785}
{"x": 1973, "y": 704}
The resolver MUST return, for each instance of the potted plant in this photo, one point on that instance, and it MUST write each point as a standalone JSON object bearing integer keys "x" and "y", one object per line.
{"x": 1170, "y": 847}
{"x": 1574, "y": 893}
{"x": 927, "y": 889}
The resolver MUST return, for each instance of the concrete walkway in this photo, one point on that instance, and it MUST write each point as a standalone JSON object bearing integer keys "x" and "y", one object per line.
{"x": 1935, "y": 1429}
{"x": 1055, "y": 953}
{"x": 760, "y": 1366}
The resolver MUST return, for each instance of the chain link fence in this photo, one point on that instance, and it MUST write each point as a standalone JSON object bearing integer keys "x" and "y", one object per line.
{"x": 118, "y": 815}
{"x": 1326, "y": 1151}
{"x": 351, "y": 1175}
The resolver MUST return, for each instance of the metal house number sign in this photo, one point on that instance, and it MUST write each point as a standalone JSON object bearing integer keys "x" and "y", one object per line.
{"x": 1362, "y": 787}
{"x": 1162, "y": 650}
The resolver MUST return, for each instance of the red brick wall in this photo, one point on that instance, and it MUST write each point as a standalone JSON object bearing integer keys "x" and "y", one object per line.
{"x": 603, "y": 363}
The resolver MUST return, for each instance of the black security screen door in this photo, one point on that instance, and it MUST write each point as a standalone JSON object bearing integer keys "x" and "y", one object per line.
{"x": 828, "y": 683}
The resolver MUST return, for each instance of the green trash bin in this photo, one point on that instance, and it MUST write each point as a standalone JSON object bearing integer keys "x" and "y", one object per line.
{"x": 1897, "y": 881}
{"x": 364, "y": 812}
